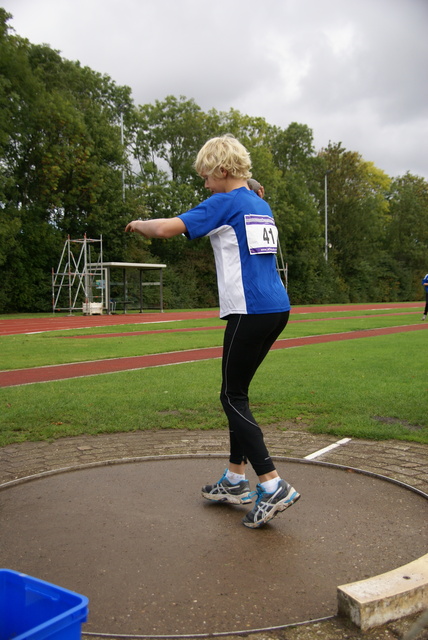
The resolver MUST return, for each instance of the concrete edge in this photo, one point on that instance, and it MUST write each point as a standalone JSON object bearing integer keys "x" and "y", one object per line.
{"x": 386, "y": 597}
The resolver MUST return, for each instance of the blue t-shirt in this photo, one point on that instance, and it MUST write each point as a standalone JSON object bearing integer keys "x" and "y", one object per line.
{"x": 243, "y": 236}
{"x": 425, "y": 285}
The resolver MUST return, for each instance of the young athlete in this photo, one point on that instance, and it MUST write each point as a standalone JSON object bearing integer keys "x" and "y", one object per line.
{"x": 255, "y": 305}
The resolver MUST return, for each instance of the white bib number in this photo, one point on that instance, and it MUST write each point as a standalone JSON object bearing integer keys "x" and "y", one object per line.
{"x": 262, "y": 234}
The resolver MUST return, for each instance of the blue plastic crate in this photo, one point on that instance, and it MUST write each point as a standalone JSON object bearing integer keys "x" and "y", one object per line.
{"x": 32, "y": 608}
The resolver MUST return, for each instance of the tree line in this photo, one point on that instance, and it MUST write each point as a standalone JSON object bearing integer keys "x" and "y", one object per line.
{"x": 78, "y": 156}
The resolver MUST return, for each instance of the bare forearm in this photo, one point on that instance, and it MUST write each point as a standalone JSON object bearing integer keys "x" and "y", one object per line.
{"x": 157, "y": 228}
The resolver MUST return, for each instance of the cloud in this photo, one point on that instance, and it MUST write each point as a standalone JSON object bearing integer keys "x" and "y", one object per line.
{"x": 353, "y": 72}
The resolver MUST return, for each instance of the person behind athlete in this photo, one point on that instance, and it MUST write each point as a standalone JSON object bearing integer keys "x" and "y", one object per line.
{"x": 255, "y": 186}
{"x": 255, "y": 305}
{"x": 425, "y": 285}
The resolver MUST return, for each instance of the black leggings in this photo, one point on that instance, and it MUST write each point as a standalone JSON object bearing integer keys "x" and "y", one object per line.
{"x": 247, "y": 340}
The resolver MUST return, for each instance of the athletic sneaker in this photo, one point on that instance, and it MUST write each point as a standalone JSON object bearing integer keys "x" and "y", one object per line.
{"x": 268, "y": 505}
{"x": 225, "y": 491}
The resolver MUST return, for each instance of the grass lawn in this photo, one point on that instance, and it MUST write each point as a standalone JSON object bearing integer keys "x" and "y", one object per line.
{"x": 370, "y": 387}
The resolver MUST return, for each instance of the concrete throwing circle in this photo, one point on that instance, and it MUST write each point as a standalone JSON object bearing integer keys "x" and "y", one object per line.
{"x": 155, "y": 558}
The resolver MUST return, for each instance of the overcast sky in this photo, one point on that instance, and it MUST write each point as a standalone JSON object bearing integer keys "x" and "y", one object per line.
{"x": 354, "y": 71}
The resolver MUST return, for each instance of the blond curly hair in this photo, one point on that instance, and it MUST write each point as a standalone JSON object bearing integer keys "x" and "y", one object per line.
{"x": 224, "y": 152}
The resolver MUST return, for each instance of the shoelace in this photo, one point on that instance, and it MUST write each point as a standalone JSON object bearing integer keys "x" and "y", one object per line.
{"x": 258, "y": 492}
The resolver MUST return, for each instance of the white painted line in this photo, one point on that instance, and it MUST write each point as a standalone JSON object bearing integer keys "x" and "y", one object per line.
{"x": 318, "y": 453}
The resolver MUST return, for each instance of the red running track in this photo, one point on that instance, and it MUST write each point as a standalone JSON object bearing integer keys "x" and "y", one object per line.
{"x": 15, "y": 326}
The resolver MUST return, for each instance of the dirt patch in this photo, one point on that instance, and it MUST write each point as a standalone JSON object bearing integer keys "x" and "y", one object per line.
{"x": 287, "y": 425}
{"x": 401, "y": 423}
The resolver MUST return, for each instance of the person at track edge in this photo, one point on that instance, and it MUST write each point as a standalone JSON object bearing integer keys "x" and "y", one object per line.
{"x": 425, "y": 285}
{"x": 255, "y": 305}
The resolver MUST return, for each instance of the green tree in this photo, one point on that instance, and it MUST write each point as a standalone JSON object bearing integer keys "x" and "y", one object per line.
{"x": 77, "y": 157}
{"x": 407, "y": 233}
{"x": 62, "y": 161}
{"x": 169, "y": 132}
{"x": 357, "y": 216}
{"x": 294, "y": 200}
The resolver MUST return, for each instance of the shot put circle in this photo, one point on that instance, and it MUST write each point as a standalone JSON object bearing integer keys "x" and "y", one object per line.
{"x": 154, "y": 558}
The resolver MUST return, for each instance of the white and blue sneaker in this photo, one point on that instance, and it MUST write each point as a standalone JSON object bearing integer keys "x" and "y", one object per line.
{"x": 268, "y": 505}
{"x": 225, "y": 491}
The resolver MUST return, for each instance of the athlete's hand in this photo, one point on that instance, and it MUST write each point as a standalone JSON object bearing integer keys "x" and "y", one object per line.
{"x": 136, "y": 226}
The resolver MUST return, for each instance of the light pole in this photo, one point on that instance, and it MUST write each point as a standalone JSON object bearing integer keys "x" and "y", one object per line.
{"x": 123, "y": 168}
{"x": 326, "y": 215}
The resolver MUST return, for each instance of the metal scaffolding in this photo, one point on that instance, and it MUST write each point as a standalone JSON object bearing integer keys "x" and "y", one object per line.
{"x": 282, "y": 267}
{"x": 77, "y": 284}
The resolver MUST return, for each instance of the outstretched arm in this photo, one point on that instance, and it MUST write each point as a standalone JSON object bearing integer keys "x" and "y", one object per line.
{"x": 157, "y": 228}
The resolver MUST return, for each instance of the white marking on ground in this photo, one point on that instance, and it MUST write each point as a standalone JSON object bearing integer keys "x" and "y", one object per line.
{"x": 320, "y": 452}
